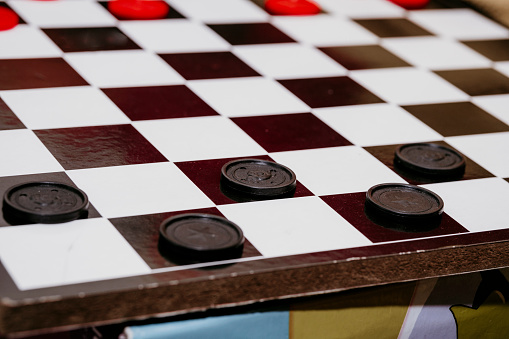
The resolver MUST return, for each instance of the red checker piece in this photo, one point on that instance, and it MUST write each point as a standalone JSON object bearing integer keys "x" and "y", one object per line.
{"x": 139, "y": 9}
{"x": 292, "y": 7}
{"x": 8, "y": 19}
{"x": 411, "y": 4}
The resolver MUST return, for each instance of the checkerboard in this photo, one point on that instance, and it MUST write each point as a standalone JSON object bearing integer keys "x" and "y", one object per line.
{"x": 142, "y": 115}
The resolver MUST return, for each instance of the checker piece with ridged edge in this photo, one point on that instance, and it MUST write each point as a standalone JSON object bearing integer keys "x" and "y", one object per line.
{"x": 44, "y": 202}
{"x": 408, "y": 207}
{"x": 201, "y": 237}
{"x": 258, "y": 177}
{"x": 430, "y": 160}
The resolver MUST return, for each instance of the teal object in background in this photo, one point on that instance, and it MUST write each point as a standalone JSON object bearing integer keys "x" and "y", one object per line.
{"x": 246, "y": 326}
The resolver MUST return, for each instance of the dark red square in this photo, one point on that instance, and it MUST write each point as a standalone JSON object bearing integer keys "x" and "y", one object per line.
{"x": 37, "y": 73}
{"x": 206, "y": 174}
{"x": 457, "y": 118}
{"x": 393, "y": 27}
{"x": 496, "y": 50}
{"x": 142, "y": 233}
{"x": 437, "y": 4}
{"x": 351, "y": 207}
{"x": 364, "y": 57}
{"x": 484, "y": 81}
{"x": 8, "y": 120}
{"x": 90, "y": 39}
{"x": 161, "y": 102}
{"x": 251, "y": 33}
{"x": 211, "y": 65}
{"x": 330, "y": 92}
{"x": 288, "y": 132}
{"x": 99, "y": 146}
{"x": 385, "y": 154}
{"x": 261, "y": 4}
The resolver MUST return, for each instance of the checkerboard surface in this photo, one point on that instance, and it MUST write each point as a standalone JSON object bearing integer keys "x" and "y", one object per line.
{"x": 142, "y": 115}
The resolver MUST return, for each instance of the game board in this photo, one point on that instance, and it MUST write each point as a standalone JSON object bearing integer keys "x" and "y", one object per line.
{"x": 142, "y": 115}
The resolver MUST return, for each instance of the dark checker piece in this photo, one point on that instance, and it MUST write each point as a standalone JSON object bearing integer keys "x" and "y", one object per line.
{"x": 430, "y": 160}
{"x": 200, "y": 237}
{"x": 258, "y": 177}
{"x": 404, "y": 207}
{"x": 44, "y": 202}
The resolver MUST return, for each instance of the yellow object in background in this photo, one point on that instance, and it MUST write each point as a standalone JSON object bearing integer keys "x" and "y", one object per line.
{"x": 490, "y": 320}
{"x": 364, "y": 313}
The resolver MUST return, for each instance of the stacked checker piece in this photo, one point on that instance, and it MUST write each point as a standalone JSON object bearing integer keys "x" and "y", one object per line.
{"x": 389, "y": 205}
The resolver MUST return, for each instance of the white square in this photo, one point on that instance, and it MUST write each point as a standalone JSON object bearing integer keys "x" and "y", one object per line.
{"x": 121, "y": 191}
{"x": 287, "y": 61}
{"x": 39, "y": 256}
{"x": 24, "y": 41}
{"x": 123, "y": 68}
{"x": 436, "y": 53}
{"x": 324, "y": 30}
{"x": 63, "y": 107}
{"x": 23, "y": 153}
{"x": 293, "y": 226}
{"x": 174, "y": 36}
{"x": 408, "y": 86}
{"x": 198, "y": 138}
{"x": 362, "y": 9}
{"x": 478, "y": 205}
{"x": 220, "y": 11}
{"x": 496, "y": 105}
{"x": 463, "y": 23}
{"x": 377, "y": 124}
{"x": 247, "y": 96}
{"x": 63, "y": 13}
{"x": 488, "y": 150}
{"x": 337, "y": 170}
